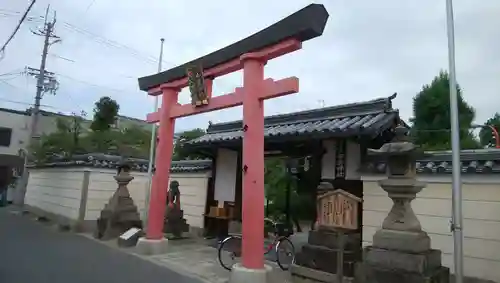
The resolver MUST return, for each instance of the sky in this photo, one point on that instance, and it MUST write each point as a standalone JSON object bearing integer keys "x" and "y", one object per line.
{"x": 369, "y": 49}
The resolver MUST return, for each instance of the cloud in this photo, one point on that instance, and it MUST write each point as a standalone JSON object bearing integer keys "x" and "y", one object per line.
{"x": 370, "y": 49}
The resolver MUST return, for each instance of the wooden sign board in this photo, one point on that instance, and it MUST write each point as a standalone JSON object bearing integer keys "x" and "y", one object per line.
{"x": 338, "y": 210}
{"x": 199, "y": 96}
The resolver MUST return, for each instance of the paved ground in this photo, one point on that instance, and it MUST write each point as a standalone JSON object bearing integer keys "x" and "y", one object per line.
{"x": 33, "y": 253}
{"x": 200, "y": 259}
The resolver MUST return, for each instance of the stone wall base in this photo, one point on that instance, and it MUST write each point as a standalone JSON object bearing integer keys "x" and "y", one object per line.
{"x": 392, "y": 266}
{"x": 60, "y": 220}
{"x": 374, "y": 274}
{"x": 86, "y": 226}
{"x": 301, "y": 274}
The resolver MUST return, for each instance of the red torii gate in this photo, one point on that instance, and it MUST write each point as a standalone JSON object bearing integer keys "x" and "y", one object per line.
{"x": 250, "y": 54}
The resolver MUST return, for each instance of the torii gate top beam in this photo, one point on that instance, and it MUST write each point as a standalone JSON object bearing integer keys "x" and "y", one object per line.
{"x": 303, "y": 25}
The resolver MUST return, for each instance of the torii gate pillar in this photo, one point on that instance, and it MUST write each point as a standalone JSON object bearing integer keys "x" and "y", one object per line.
{"x": 253, "y": 163}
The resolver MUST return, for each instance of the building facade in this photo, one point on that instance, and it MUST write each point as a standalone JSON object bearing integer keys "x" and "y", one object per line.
{"x": 15, "y": 127}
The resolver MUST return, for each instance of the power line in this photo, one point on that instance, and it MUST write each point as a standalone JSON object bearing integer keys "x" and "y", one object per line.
{"x": 141, "y": 56}
{"x": 14, "y": 73}
{"x": 104, "y": 41}
{"x": 26, "y": 103}
{"x": 112, "y": 43}
{"x": 89, "y": 6}
{"x": 2, "y": 50}
{"x": 92, "y": 84}
{"x": 13, "y": 86}
{"x": 63, "y": 58}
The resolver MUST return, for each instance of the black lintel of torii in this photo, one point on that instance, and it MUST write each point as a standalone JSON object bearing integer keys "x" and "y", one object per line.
{"x": 303, "y": 25}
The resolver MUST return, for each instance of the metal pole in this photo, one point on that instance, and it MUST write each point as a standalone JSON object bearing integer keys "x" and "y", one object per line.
{"x": 39, "y": 85}
{"x": 455, "y": 148}
{"x": 153, "y": 144}
{"x": 340, "y": 256}
{"x": 287, "y": 201}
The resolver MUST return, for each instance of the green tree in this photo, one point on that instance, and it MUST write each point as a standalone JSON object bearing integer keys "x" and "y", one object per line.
{"x": 277, "y": 180}
{"x": 71, "y": 138}
{"x": 486, "y": 135}
{"x": 102, "y": 138}
{"x": 105, "y": 114}
{"x": 134, "y": 141}
{"x": 65, "y": 141}
{"x": 180, "y": 151}
{"x": 431, "y": 116}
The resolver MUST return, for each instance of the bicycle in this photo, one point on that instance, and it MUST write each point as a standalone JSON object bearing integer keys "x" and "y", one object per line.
{"x": 285, "y": 251}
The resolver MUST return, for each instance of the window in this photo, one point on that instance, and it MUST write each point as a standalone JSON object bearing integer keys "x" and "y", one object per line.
{"x": 5, "y": 136}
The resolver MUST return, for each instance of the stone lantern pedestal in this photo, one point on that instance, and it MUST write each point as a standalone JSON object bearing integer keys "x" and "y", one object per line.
{"x": 401, "y": 250}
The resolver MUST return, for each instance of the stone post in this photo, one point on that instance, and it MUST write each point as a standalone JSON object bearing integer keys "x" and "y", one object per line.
{"x": 401, "y": 250}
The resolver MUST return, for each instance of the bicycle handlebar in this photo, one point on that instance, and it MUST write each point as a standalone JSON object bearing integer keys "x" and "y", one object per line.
{"x": 270, "y": 220}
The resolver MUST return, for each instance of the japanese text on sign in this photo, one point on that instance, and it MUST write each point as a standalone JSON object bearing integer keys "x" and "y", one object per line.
{"x": 337, "y": 210}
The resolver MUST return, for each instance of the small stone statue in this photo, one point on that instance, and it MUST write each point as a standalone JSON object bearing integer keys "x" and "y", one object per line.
{"x": 174, "y": 195}
{"x": 174, "y": 218}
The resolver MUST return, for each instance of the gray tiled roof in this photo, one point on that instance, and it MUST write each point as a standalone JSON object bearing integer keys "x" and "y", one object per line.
{"x": 481, "y": 161}
{"x": 99, "y": 160}
{"x": 363, "y": 118}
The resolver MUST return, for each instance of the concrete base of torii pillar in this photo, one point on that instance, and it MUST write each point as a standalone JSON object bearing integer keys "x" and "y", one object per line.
{"x": 152, "y": 246}
{"x": 240, "y": 274}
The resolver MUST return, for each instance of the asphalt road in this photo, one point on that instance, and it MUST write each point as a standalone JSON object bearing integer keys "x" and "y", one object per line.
{"x": 31, "y": 252}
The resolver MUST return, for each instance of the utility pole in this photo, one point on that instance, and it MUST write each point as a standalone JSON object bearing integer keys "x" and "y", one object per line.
{"x": 45, "y": 83}
{"x": 41, "y": 86}
{"x": 457, "y": 216}
{"x": 153, "y": 142}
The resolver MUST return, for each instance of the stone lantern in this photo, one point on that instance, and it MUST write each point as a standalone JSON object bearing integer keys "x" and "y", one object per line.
{"x": 401, "y": 250}
{"x": 120, "y": 213}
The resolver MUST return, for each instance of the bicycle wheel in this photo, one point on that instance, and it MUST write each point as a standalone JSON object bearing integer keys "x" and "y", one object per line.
{"x": 285, "y": 253}
{"x": 229, "y": 252}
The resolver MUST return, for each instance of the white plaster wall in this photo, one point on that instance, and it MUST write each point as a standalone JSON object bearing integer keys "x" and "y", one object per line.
{"x": 353, "y": 160}
{"x": 328, "y": 160}
{"x": 225, "y": 180}
{"x": 481, "y": 212}
{"x": 56, "y": 191}
{"x": 193, "y": 187}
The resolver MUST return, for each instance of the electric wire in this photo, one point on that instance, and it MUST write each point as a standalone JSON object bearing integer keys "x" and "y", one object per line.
{"x": 16, "y": 29}
{"x": 113, "y": 44}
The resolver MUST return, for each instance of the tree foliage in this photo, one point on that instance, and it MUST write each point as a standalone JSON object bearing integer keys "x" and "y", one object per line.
{"x": 105, "y": 114}
{"x": 486, "y": 135}
{"x": 431, "y": 116}
{"x": 277, "y": 179}
{"x": 65, "y": 141}
{"x": 72, "y": 137}
{"x": 180, "y": 151}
